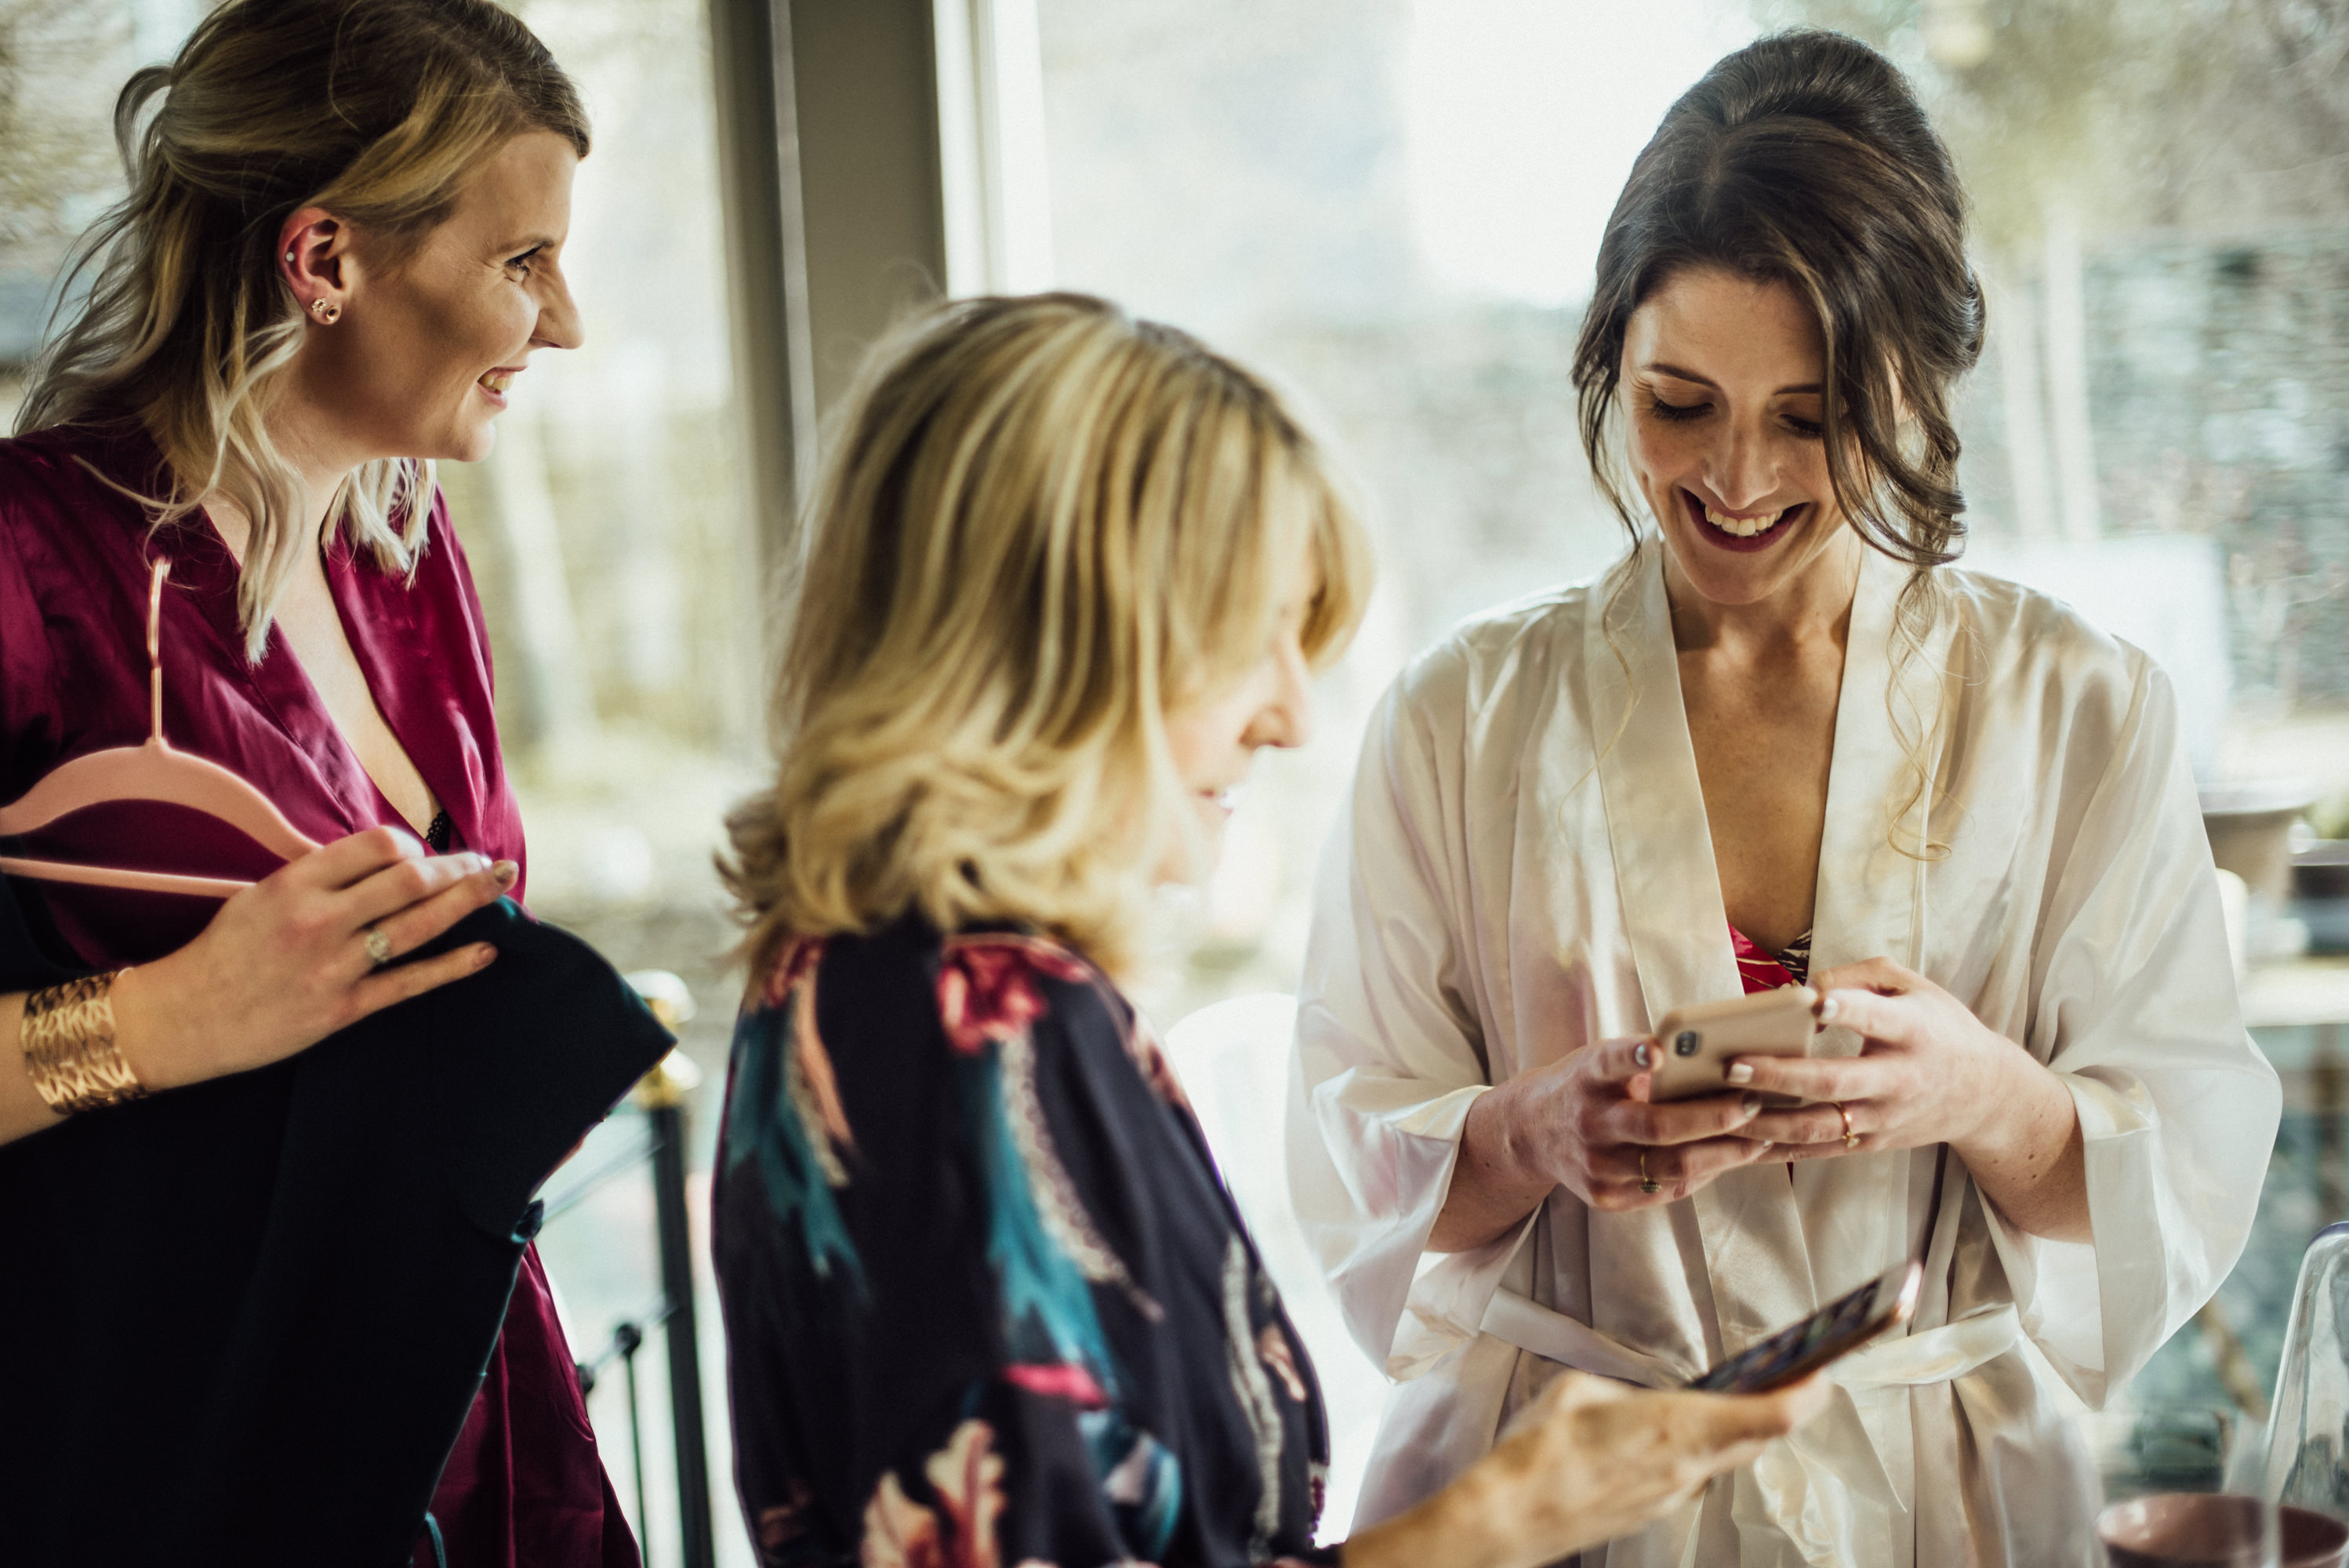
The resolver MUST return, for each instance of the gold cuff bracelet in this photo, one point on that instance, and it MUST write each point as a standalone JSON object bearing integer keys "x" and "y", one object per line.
{"x": 70, "y": 1052}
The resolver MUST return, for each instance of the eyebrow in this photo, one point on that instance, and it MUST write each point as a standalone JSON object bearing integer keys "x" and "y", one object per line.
{"x": 529, "y": 243}
{"x": 1811, "y": 388}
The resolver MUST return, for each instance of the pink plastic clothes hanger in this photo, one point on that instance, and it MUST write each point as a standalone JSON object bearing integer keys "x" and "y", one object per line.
{"x": 151, "y": 772}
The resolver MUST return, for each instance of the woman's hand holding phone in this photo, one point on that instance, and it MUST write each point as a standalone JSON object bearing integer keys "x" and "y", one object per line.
{"x": 1589, "y": 1125}
{"x": 1929, "y": 1072}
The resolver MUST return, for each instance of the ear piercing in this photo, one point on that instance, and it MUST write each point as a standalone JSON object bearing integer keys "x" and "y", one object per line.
{"x": 327, "y": 314}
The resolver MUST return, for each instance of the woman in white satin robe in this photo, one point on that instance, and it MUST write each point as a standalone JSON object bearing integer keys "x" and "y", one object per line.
{"x": 1528, "y": 873}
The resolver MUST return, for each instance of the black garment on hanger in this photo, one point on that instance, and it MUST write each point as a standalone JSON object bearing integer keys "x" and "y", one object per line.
{"x": 241, "y": 1322}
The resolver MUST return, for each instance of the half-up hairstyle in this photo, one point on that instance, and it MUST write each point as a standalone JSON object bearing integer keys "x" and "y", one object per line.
{"x": 380, "y": 112}
{"x": 1041, "y": 524}
{"x": 1805, "y": 160}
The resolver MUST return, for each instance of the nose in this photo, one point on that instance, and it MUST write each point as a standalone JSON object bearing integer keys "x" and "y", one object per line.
{"x": 1743, "y": 468}
{"x": 559, "y": 325}
{"x": 1286, "y": 720}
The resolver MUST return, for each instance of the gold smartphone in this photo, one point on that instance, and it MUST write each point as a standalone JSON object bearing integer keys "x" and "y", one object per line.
{"x": 1693, "y": 1045}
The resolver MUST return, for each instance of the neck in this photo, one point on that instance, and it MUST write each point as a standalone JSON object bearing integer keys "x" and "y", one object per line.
{"x": 1815, "y": 604}
{"x": 318, "y": 458}
{"x": 316, "y": 461}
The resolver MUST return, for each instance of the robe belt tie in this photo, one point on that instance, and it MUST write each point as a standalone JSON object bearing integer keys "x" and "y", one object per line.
{"x": 1934, "y": 1356}
{"x": 1550, "y": 1334}
{"x": 1806, "y": 1485}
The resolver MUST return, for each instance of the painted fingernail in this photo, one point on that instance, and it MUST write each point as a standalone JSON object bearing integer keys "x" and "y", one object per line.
{"x": 1641, "y": 1056}
{"x": 506, "y": 873}
{"x": 1740, "y": 1072}
{"x": 1752, "y": 1105}
{"x": 483, "y": 955}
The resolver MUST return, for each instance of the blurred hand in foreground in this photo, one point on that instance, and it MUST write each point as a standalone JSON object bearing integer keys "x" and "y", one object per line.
{"x": 1590, "y": 1461}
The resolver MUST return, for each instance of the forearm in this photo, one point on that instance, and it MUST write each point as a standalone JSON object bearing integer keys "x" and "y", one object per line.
{"x": 23, "y": 1112}
{"x": 1493, "y": 1183}
{"x": 152, "y": 1021}
{"x": 2029, "y": 1159}
{"x": 1456, "y": 1528}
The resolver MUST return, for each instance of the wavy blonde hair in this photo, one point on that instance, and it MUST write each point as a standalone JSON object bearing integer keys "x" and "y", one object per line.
{"x": 380, "y": 112}
{"x": 1042, "y": 525}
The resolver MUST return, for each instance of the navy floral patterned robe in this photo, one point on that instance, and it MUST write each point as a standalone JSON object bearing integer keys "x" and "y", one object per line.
{"x": 987, "y": 1305}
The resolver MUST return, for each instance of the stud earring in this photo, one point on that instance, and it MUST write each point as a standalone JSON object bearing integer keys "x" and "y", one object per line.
{"x": 289, "y": 258}
{"x": 326, "y": 311}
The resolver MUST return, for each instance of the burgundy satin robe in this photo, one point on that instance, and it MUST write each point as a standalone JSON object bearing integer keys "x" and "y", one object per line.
{"x": 524, "y": 1487}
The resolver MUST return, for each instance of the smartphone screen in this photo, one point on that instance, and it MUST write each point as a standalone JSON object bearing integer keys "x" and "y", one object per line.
{"x": 1839, "y": 1327}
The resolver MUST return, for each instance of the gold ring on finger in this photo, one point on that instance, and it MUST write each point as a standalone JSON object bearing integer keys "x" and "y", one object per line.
{"x": 378, "y": 948}
{"x": 1648, "y": 1183}
{"x": 1850, "y": 1139}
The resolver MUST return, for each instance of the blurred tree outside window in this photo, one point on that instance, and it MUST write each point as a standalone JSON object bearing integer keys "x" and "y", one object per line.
{"x": 61, "y": 63}
{"x": 2161, "y": 200}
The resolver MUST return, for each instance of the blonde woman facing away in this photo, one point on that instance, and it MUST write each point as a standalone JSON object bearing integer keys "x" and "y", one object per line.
{"x": 987, "y": 1301}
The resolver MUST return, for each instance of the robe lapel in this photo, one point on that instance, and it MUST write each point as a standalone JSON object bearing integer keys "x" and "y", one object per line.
{"x": 1656, "y": 826}
{"x": 1679, "y": 931}
{"x": 399, "y": 661}
{"x": 1870, "y": 901}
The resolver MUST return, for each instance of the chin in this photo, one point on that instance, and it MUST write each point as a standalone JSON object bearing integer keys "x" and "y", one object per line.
{"x": 1736, "y": 583}
{"x": 469, "y": 445}
{"x": 1192, "y": 860}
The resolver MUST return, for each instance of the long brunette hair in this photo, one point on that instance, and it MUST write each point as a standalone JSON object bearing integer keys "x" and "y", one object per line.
{"x": 1805, "y": 160}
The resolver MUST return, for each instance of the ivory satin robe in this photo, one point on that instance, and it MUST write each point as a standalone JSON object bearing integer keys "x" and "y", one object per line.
{"x": 1526, "y": 870}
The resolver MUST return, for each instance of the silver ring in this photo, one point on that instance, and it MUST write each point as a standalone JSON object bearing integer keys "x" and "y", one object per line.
{"x": 1850, "y": 1139}
{"x": 378, "y": 948}
{"x": 1648, "y": 1183}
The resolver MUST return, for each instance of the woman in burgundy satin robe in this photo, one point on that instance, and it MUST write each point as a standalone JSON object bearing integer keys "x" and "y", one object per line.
{"x": 341, "y": 244}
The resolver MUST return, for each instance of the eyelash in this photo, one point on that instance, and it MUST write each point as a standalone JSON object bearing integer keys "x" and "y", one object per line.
{"x": 1676, "y": 412}
{"x": 523, "y": 261}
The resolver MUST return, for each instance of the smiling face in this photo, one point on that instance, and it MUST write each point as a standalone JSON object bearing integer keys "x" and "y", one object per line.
{"x": 426, "y": 344}
{"x": 1722, "y": 380}
{"x": 1214, "y": 739}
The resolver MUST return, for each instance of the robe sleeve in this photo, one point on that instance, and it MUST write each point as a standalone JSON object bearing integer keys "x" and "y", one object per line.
{"x": 1390, "y": 1054}
{"x": 28, "y": 682}
{"x": 2135, "y": 1008}
{"x": 920, "y": 1373}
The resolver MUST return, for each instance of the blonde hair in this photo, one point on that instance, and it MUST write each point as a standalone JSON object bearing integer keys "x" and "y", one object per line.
{"x": 1042, "y": 525}
{"x": 380, "y": 112}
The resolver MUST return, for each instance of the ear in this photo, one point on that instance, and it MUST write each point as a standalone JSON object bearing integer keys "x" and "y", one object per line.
{"x": 314, "y": 255}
